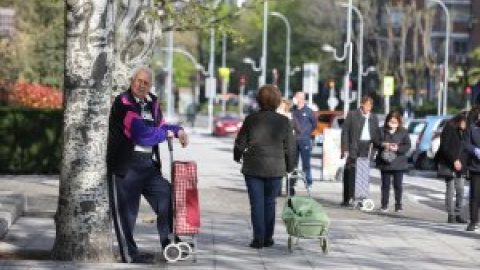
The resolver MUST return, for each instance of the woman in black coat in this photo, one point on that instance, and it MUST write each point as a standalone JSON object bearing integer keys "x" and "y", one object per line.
{"x": 394, "y": 140}
{"x": 452, "y": 164}
{"x": 266, "y": 145}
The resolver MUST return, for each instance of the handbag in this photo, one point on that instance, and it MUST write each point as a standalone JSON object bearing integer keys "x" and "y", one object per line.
{"x": 388, "y": 156}
{"x": 444, "y": 171}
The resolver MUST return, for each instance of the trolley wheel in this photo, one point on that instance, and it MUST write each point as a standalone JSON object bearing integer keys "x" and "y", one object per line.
{"x": 185, "y": 250}
{"x": 325, "y": 246}
{"x": 172, "y": 253}
{"x": 290, "y": 244}
{"x": 368, "y": 205}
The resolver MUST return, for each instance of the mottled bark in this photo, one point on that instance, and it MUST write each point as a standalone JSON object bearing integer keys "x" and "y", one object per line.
{"x": 100, "y": 56}
{"x": 135, "y": 36}
{"x": 83, "y": 224}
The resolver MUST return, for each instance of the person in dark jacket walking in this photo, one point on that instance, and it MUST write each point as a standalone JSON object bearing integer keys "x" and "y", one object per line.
{"x": 472, "y": 146}
{"x": 306, "y": 122}
{"x": 451, "y": 156}
{"x": 265, "y": 145}
{"x": 392, "y": 159}
{"x": 136, "y": 127}
{"x": 359, "y": 131}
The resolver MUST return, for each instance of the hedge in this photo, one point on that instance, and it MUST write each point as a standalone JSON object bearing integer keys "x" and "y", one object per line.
{"x": 30, "y": 141}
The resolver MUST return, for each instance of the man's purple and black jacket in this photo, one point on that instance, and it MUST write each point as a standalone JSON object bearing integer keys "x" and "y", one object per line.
{"x": 127, "y": 128}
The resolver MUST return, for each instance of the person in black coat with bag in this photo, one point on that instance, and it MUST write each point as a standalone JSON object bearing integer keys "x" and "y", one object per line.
{"x": 266, "y": 147}
{"x": 451, "y": 160}
{"x": 472, "y": 146}
{"x": 392, "y": 159}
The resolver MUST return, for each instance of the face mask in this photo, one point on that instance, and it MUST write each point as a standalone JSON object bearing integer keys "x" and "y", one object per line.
{"x": 393, "y": 126}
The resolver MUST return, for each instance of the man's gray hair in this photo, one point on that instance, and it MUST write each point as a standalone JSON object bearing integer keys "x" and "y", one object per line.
{"x": 144, "y": 69}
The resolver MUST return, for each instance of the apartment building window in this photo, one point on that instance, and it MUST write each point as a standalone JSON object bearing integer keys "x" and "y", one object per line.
{"x": 7, "y": 22}
{"x": 460, "y": 47}
{"x": 459, "y": 11}
{"x": 395, "y": 15}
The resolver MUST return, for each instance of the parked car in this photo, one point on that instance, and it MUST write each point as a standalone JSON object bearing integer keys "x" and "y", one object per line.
{"x": 325, "y": 120}
{"x": 415, "y": 127}
{"x": 226, "y": 125}
{"x": 423, "y": 155}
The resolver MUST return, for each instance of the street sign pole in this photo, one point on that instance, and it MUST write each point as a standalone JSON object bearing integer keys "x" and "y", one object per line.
{"x": 243, "y": 82}
{"x": 388, "y": 88}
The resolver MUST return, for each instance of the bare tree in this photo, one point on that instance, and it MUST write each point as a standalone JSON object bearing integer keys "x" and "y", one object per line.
{"x": 404, "y": 30}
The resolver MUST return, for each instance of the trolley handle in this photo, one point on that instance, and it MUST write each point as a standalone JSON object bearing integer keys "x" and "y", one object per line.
{"x": 170, "y": 145}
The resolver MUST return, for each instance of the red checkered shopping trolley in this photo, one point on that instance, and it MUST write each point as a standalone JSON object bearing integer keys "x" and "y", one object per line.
{"x": 186, "y": 209}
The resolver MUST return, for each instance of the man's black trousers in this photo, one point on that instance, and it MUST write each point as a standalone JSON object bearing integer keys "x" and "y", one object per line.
{"x": 142, "y": 178}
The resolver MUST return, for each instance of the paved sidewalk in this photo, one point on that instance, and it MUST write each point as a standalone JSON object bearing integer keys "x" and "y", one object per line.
{"x": 415, "y": 239}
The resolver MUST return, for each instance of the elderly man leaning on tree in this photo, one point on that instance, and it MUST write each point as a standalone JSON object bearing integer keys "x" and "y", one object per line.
{"x": 136, "y": 128}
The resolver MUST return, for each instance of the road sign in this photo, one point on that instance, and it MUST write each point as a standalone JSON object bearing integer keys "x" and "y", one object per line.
{"x": 210, "y": 87}
{"x": 224, "y": 73}
{"x": 310, "y": 78}
{"x": 388, "y": 85}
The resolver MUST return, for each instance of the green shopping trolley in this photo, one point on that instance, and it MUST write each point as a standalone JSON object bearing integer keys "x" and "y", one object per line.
{"x": 305, "y": 218}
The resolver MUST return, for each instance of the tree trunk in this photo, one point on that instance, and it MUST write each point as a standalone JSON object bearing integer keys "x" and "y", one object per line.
{"x": 135, "y": 37}
{"x": 83, "y": 224}
{"x": 406, "y": 24}
{"x": 99, "y": 56}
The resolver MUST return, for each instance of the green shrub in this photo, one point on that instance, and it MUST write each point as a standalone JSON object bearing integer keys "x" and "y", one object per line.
{"x": 30, "y": 141}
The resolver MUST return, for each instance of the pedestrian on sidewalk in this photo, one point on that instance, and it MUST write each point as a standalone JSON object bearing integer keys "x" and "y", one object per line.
{"x": 359, "y": 131}
{"x": 285, "y": 109}
{"x": 136, "y": 128}
{"x": 306, "y": 123}
{"x": 265, "y": 145}
{"x": 392, "y": 159}
{"x": 472, "y": 146}
{"x": 451, "y": 159}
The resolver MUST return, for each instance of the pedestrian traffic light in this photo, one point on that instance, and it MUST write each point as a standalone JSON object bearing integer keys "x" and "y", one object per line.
{"x": 331, "y": 84}
{"x": 468, "y": 90}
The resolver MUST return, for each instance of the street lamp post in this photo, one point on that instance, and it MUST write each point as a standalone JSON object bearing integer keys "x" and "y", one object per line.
{"x": 211, "y": 81}
{"x": 224, "y": 81}
{"x": 250, "y": 61}
{"x": 263, "y": 60}
{"x": 447, "y": 48}
{"x": 360, "y": 52}
{"x": 347, "y": 50}
{"x": 169, "y": 79}
{"x": 287, "y": 54}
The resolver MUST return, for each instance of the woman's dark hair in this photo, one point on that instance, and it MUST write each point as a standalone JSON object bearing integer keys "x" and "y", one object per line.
{"x": 268, "y": 97}
{"x": 396, "y": 115}
{"x": 457, "y": 119}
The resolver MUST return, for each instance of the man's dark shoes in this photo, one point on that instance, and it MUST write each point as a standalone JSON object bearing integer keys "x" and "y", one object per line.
{"x": 451, "y": 219}
{"x": 472, "y": 227}
{"x": 141, "y": 260}
{"x": 345, "y": 204}
{"x": 459, "y": 219}
{"x": 268, "y": 242}
{"x": 256, "y": 244}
